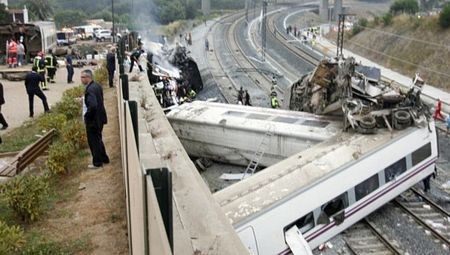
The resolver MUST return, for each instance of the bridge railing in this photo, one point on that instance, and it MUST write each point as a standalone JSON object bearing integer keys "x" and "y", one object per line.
{"x": 147, "y": 233}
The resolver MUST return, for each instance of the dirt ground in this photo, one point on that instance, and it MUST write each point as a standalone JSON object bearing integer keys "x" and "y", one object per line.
{"x": 97, "y": 211}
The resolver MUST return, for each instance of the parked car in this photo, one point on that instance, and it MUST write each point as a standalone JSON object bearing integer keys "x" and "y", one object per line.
{"x": 103, "y": 35}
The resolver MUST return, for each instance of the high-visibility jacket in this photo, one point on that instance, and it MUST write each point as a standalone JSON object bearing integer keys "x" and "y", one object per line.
{"x": 274, "y": 102}
{"x": 50, "y": 61}
{"x": 12, "y": 47}
{"x": 39, "y": 63}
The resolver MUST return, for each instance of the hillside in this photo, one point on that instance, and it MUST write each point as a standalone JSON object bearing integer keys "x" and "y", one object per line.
{"x": 420, "y": 46}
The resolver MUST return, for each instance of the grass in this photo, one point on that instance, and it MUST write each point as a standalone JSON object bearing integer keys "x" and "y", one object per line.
{"x": 38, "y": 245}
{"x": 20, "y": 137}
{"x": 63, "y": 188}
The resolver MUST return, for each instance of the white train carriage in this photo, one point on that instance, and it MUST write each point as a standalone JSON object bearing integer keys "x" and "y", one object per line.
{"x": 325, "y": 189}
{"x": 233, "y": 133}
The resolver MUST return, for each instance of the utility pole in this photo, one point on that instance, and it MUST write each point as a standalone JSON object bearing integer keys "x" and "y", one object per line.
{"x": 246, "y": 9}
{"x": 113, "y": 24}
{"x": 263, "y": 30}
{"x": 340, "y": 35}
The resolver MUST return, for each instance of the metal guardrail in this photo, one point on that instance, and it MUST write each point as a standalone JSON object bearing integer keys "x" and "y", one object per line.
{"x": 28, "y": 155}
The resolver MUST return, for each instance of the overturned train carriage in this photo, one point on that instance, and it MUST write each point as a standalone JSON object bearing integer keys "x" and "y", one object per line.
{"x": 356, "y": 92}
{"x": 36, "y": 36}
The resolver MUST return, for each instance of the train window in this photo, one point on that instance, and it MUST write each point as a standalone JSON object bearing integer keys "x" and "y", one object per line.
{"x": 366, "y": 187}
{"x": 334, "y": 209}
{"x": 234, "y": 113}
{"x": 305, "y": 223}
{"x": 421, "y": 154}
{"x": 395, "y": 170}
{"x": 256, "y": 116}
{"x": 314, "y": 123}
{"x": 285, "y": 119}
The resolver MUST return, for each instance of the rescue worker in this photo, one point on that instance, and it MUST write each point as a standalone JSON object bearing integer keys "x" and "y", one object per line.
{"x": 12, "y": 53}
{"x": 240, "y": 97}
{"x": 437, "y": 111}
{"x": 135, "y": 58}
{"x": 51, "y": 65}
{"x": 247, "y": 98}
{"x": 39, "y": 63}
{"x": 274, "y": 100}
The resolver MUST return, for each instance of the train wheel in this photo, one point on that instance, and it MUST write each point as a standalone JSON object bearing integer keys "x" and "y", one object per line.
{"x": 402, "y": 117}
{"x": 367, "y": 122}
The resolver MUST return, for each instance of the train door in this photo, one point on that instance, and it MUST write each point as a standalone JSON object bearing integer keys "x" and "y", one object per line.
{"x": 247, "y": 236}
{"x": 297, "y": 244}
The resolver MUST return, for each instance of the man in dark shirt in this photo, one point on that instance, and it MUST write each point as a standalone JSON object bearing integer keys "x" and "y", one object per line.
{"x": 111, "y": 65}
{"x": 135, "y": 58}
{"x": 32, "y": 81}
{"x": 69, "y": 66}
{"x": 94, "y": 119}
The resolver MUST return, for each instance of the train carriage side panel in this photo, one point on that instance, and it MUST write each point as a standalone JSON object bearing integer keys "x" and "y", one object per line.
{"x": 367, "y": 183}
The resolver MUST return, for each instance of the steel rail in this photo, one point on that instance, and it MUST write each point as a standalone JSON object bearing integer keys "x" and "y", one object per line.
{"x": 422, "y": 222}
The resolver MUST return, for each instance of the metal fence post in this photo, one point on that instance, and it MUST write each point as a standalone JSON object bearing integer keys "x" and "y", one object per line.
{"x": 134, "y": 119}
{"x": 162, "y": 182}
{"x": 125, "y": 87}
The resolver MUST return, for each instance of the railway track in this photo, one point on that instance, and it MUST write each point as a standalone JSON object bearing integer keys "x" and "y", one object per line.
{"x": 365, "y": 238}
{"x": 433, "y": 218}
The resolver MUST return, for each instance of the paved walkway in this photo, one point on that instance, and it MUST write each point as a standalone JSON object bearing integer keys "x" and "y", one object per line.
{"x": 15, "y": 108}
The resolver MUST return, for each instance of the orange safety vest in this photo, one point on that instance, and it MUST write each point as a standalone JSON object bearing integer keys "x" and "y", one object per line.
{"x": 12, "y": 47}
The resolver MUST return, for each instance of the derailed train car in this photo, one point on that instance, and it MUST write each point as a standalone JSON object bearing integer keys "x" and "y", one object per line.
{"x": 173, "y": 74}
{"x": 36, "y": 36}
{"x": 359, "y": 94}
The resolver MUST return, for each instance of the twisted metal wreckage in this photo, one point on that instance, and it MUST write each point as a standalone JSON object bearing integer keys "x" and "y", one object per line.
{"x": 358, "y": 93}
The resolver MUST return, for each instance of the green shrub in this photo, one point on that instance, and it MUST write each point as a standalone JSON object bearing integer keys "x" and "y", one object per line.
{"x": 101, "y": 74}
{"x": 74, "y": 92}
{"x": 74, "y": 132}
{"x": 59, "y": 156}
{"x": 444, "y": 17}
{"x": 52, "y": 120}
{"x": 25, "y": 195}
{"x": 69, "y": 107}
{"x": 387, "y": 19}
{"x": 362, "y": 23}
{"x": 11, "y": 238}
{"x": 405, "y": 6}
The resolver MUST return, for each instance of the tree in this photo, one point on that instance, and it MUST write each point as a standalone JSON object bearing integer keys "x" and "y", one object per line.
{"x": 170, "y": 11}
{"x": 4, "y": 15}
{"x": 444, "y": 17}
{"x": 69, "y": 18}
{"x": 405, "y": 6}
{"x": 39, "y": 9}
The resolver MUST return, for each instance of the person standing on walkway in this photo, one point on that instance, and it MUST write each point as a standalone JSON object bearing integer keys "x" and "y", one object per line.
{"x": 32, "y": 81}
{"x": 2, "y": 102}
{"x": 437, "y": 111}
{"x": 51, "y": 65}
{"x": 111, "y": 65}
{"x": 69, "y": 66}
{"x": 20, "y": 54}
{"x": 12, "y": 53}
{"x": 94, "y": 119}
{"x": 206, "y": 44}
{"x": 39, "y": 63}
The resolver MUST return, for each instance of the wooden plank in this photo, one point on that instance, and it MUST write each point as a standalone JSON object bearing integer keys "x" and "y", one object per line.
{"x": 28, "y": 155}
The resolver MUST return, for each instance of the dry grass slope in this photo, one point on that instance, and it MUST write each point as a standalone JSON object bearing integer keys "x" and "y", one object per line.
{"x": 410, "y": 56}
